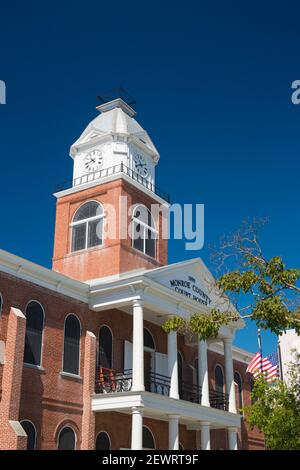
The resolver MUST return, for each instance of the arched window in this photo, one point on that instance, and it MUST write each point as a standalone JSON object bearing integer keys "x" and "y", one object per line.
{"x": 197, "y": 371}
{"x": 66, "y": 439}
{"x": 148, "y": 340}
{"x": 105, "y": 347}
{"x": 87, "y": 226}
{"x": 238, "y": 382}
{"x": 34, "y": 333}
{"x": 219, "y": 379}
{"x": 103, "y": 441}
{"x": 144, "y": 232}
{"x": 72, "y": 345}
{"x": 30, "y": 430}
{"x": 148, "y": 439}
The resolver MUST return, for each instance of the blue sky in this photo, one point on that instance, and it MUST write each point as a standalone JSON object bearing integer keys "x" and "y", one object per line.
{"x": 212, "y": 82}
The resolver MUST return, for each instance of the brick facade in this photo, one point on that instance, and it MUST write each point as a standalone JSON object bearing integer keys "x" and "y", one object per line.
{"x": 116, "y": 255}
{"x": 51, "y": 399}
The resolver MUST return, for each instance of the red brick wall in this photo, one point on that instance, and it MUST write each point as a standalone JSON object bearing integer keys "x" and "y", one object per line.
{"x": 114, "y": 256}
{"x": 51, "y": 400}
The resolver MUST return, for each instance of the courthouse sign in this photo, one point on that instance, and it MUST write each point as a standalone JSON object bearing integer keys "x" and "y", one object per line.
{"x": 190, "y": 289}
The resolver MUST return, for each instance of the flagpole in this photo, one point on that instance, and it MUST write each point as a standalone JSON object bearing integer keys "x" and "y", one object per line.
{"x": 260, "y": 349}
{"x": 279, "y": 359}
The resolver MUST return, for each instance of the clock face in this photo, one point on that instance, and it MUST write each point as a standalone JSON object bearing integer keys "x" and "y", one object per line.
{"x": 140, "y": 165}
{"x": 93, "y": 160}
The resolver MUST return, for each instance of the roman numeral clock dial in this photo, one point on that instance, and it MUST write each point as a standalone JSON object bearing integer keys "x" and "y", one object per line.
{"x": 93, "y": 160}
{"x": 140, "y": 165}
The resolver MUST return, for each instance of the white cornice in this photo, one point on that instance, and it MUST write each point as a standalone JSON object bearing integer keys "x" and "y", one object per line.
{"x": 239, "y": 354}
{"x": 154, "y": 404}
{"x": 36, "y": 274}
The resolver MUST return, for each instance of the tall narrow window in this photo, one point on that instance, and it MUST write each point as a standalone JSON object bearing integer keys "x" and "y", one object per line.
{"x": 148, "y": 440}
{"x": 144, "y": 232}
{"x": 66, "y": 439}
{"x": 72, "y": 345}
{"x": 238, "y": 382}
{"x": 105, "y": 347}
{"x": 103, "y": 441}
{"x": 31, "y": 434}
{"x": 148, "y": 340}
{"x": 180, "y": 373}
{"x": 34, "y": 333}
{"x": 219, "y": 380}
{"x": 87, "y": 226}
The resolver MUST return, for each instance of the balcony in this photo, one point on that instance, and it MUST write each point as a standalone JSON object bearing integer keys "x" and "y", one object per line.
{"x": 112, "y": 171}
{"x": 110, "y": 381}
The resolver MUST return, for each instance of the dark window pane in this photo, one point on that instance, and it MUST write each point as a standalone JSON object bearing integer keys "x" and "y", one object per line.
{"x": 144, "y": 239}
{"x": 102, "y": 442}
{"x": 148, "y": 340}
{"x": 138, "y": 237}
{"x": 95, "y": 233}
{"x": 66, "y": 439}
{"x": 105, "y": 348}
{"x": 150, "y": 243}
{"x": 71, "y": 345}
{"x": 238, "y": 381}
{"x": 219, "y": 380}
{"x": 180, "y": 372}
{"x": 78, "y": 237}
{"x": 90, "y": 209}
{"x": 34, "y": 333}
{"x": 148, "y": 441}
{"x": 31, "y": 434}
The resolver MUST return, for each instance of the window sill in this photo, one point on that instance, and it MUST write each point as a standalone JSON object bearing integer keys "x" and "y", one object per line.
{"x": 68, "y": 375}
{"x": 33, "y": 366}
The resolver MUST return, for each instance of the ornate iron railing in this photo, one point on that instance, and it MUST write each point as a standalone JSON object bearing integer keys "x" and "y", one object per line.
{"x": 111, "y": 381}
{"x": 157, "y": 383}
{"x": 190, "y": 392}
{"x": 111, "y": 171}
{"x": 218, "y": 400}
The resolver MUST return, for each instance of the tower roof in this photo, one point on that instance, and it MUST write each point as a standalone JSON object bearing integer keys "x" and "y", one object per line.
{"x": 116, "y": 118}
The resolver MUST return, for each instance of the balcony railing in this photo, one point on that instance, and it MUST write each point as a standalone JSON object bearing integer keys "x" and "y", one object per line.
{"x": 111, "y": 171}
{"x": 110, "y": 381}
{"x": 189, "y": 392}
{"x": 157, "y": 383}
{"x": 218, "y": 400}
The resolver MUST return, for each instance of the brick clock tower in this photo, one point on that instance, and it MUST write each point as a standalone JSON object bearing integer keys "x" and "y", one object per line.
{"x": 110, "y": 199}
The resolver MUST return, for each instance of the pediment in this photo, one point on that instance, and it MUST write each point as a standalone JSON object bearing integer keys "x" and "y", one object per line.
{"x": 192, "y": 280}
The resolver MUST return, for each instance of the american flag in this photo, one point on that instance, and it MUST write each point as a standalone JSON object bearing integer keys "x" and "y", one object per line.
{"x": 268, "y": 366}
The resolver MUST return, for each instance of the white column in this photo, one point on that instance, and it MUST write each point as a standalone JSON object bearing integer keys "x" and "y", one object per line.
{"x": 172, "y": 364}
{"x": 173, "y": 432}
{"x": 203, "y": 372}
{"x": 138, "y": 347}
{"x": 205, "y": 435}
{"x": 137, "y": 429}
{"x": 232, "y": 438}
{"x": 230, "y": 389}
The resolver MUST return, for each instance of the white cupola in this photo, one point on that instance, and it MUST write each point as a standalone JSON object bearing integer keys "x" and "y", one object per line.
{"x": 111, "y": 139}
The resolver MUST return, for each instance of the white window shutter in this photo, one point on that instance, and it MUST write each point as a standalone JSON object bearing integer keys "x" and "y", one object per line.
{"x": 127, "y": 355}
{"x": 161, "y": 364}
